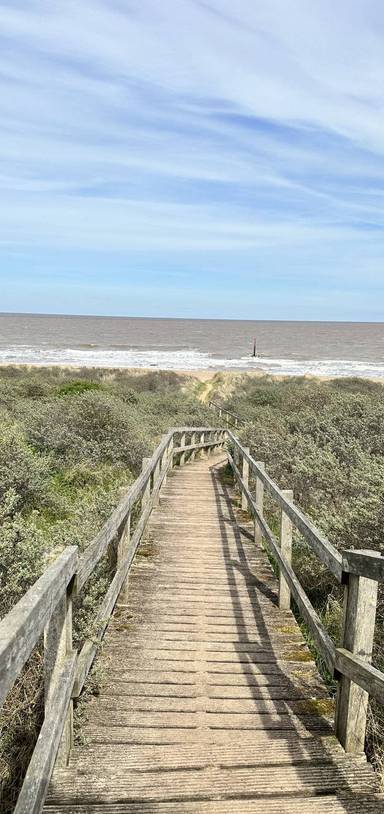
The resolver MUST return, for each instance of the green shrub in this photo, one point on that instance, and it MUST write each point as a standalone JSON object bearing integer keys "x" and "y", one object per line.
{"x": 76, "y": 387}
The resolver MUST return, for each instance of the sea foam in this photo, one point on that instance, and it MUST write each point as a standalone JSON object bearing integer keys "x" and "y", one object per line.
{"x": 96, "y": 356}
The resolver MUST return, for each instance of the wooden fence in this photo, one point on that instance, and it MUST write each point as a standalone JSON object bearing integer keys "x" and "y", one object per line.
{"x": 358, "y": 571}
{"x": 46, "y": 610}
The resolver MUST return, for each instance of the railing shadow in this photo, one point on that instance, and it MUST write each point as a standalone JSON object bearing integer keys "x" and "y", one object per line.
{"x": 254, "y": 607}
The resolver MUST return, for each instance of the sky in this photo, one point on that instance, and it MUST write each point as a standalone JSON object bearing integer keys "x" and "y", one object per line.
{"x": 192, "y": 158}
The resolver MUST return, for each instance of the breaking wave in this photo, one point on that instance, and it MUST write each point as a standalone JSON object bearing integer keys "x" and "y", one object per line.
{"x": 113, "y": 357}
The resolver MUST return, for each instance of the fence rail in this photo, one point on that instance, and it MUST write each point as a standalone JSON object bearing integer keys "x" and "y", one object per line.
{"x": 46, "y": 610}
{"x": 358, "y": 571}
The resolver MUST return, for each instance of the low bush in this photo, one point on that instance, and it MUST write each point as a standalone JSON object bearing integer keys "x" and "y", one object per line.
{"x": 69, "y": 447}
{"x": 325, "y": 440}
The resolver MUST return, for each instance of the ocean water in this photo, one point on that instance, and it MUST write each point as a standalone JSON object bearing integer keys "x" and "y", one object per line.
{"x": 284, "y": 348}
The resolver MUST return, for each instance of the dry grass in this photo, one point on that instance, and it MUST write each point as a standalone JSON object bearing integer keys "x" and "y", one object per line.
{"x": 20, "y": 721}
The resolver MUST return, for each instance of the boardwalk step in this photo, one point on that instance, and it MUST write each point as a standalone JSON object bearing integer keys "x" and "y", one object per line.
{"x": 332, "y": 804}
{"x": 210, "y": 702}
{"x": 203, "y": 784}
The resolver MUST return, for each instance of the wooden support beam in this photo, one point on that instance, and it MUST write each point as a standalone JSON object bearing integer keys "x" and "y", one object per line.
{"x": 57, "y": 648}
{"x": 245, "y": 479}
{"x": 122, "y": 549}
{"x": 286, "y": 551}
{"x": 182, "y": 444}
{"x": 259, "y": 501}
{"x": 146, "y": 494}
{"x": 360, "y": 601}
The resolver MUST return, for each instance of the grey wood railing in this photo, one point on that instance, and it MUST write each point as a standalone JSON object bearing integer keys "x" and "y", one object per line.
{"x": 46, "y": 609}
{"x": 358, "y": 571}
{"x": 230, "y": 419}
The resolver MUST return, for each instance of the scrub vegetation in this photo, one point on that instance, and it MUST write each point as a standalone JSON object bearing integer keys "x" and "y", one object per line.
{"x": 70, "y": 444}
{"x": 324, "y": 440}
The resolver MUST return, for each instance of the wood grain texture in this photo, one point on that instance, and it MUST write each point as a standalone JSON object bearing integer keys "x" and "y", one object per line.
{"x": 22, "y": 627}
{"x": 322, "y": 547}
{"x": 211, "y": 701}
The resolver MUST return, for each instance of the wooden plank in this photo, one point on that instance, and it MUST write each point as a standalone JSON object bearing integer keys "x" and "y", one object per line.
{"x": 57, "y": 647}
{"x": 364, "y": 563}
{"x": 99, "y": 545}
{"x": 38, "y": 775}
{"x": 90, "y": 647}
{"x": 322, "y": 547}
{"x": 190, "y": 447}
{"x": 357, "y": 637}
{"x": 259, "y": 502}
{"x": 22, "y": 627}
{"x": 355, "y": 668}
{"x": 97, "y": 548}
{"x": 210, "y": 695}
{"x": 316, "y": 627}
{"x": 286, "y": 552}
{"x": 245, "y": 479}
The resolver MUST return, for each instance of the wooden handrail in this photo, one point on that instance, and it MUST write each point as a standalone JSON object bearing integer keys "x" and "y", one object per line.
{"x": 358, "y": 571}
{"x": 47, "y": 608}
{"x": 22, "y": 627}
{"x": 324, "y": 550}
{"x": 317, "y": 629}
{"x": 235, "y": 419}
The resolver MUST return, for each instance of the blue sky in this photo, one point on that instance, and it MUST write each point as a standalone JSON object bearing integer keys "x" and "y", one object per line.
{"x": 193, "y": 158}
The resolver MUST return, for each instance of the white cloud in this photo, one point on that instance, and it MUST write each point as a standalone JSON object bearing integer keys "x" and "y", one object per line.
{"x": 134, "y": 124}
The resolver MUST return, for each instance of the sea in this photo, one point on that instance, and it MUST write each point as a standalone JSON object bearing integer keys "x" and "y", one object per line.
{"x": 282, "y": 348}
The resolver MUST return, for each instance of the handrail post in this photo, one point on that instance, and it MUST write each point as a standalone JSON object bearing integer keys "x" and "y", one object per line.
{"x": 147, "y": 489}
{"x": 202, "y": 440}
{"x": 122, "y": 548}
{"x": 57, "y": 646}
{"x": 360, "y": 599}
{"x": 245, "y": 479}
{"x": 182, "y": 444}
{"x": 259, "y": 500}
{"x": 286, "y": 550}
{"x": 193, "y": 441}
{"x": 156, "y": 475}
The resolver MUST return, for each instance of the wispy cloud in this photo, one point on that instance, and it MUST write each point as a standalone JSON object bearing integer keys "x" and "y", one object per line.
{"x": 196, "y": 126}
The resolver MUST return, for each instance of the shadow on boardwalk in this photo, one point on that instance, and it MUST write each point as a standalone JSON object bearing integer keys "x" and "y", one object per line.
{"x": 261, "y": 597}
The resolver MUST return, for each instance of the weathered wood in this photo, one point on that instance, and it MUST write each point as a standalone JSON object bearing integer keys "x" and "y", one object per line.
{"x": 123, "y": 546}
{"x": 192, "y": 444}
{"x": 364, "y": 563}
{"x": 22, "y": 627}
{"x": 318, "y": 632}
{"x": 201, "y": 446}
{"x": 38, "y": 775}
{"x": 360, "y": 601}
{"x": 170, "y": 448}
{"x": 97, "y": 548}
{"x": 259, "y": 501}
{"x": 245, "y": 479}
{"x": 322, "y": 547}
{"x": 182, "y": 444}
{"x": 146, "y": 493}
{"x": 360, "y": 672}
{"x": 57, "y": 647}
{"x": 90, "y": 647}
{"x": 210, "y": 700}
{"x": 230, "y": 418}
{"x": 286, "y": 552}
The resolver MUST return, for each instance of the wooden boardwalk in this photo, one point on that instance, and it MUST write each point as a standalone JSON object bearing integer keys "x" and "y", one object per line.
{"x": 210, "y": 700}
